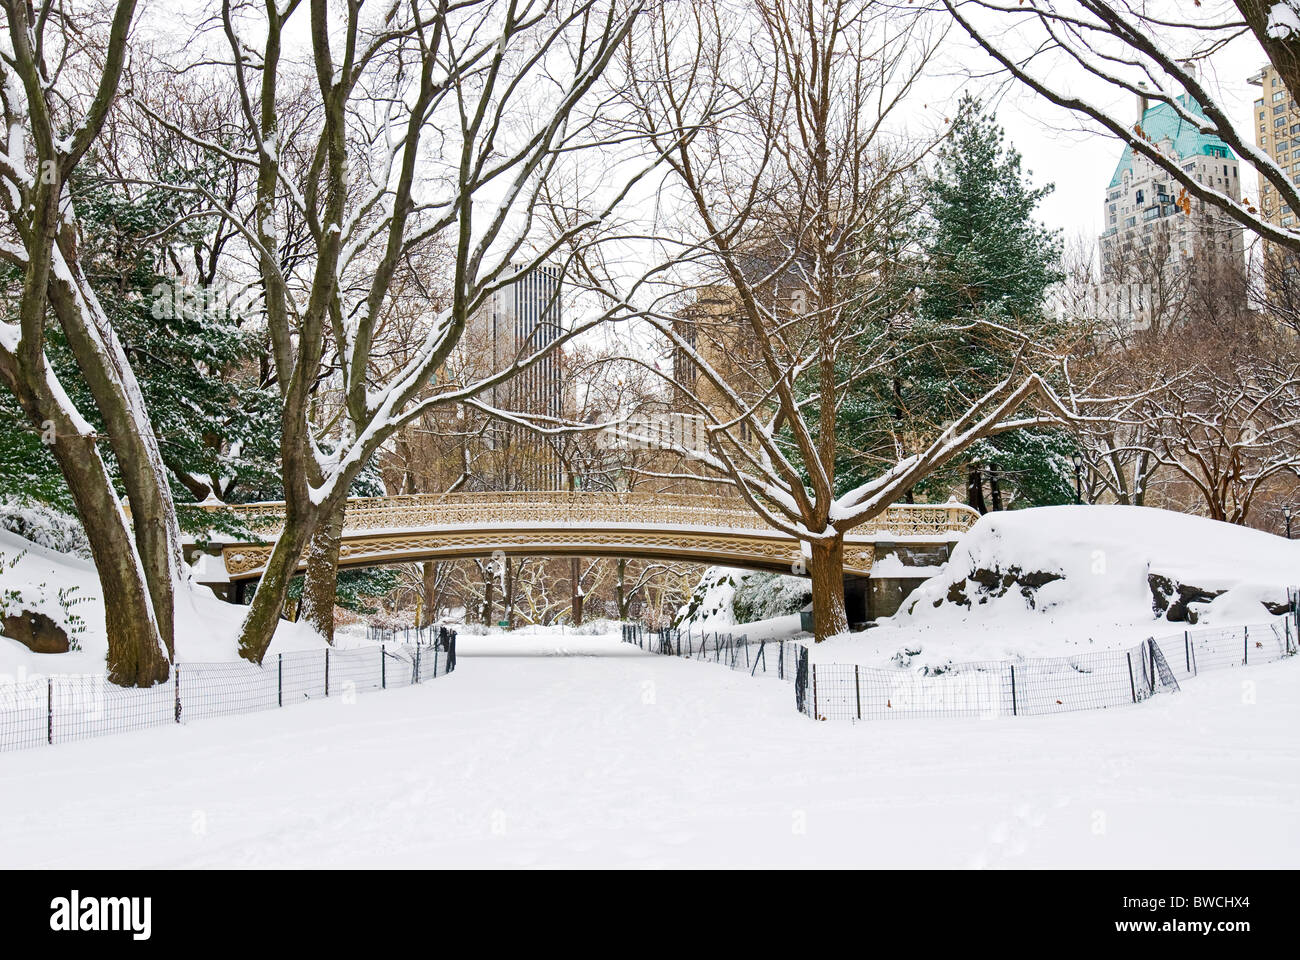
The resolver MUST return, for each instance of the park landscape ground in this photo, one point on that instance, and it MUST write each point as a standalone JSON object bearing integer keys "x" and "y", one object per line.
{"x": 555, "y": 748}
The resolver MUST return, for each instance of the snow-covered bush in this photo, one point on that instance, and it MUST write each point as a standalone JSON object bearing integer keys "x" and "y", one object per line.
{"x": 725, "y": 596}
{"x": 762, "y": 596}
{"x": 44, "y": 526}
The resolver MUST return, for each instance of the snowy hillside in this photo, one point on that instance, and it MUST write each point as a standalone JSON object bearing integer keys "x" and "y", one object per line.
{"x": 1057, "y": 580}
{"x": 65, "y": 587}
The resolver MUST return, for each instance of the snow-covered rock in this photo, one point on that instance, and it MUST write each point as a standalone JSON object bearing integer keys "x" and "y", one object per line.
{"x": 1053, "y": 581}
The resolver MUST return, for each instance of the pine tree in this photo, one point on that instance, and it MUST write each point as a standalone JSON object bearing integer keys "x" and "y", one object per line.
{"x": 988, "y": 268}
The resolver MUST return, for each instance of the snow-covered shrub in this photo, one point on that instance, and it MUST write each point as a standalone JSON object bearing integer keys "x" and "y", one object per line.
{"x": 710, "y": 601}
{"x": 762, "y": 596}
{"x": 44, "y": 526}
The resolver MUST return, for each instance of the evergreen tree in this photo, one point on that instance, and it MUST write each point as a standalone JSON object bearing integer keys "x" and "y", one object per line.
{"x": 195, "y": 355}
{"x": 988, "y": 266}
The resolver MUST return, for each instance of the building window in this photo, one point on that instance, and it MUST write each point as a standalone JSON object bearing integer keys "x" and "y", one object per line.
{"x": 1280, "y": 95}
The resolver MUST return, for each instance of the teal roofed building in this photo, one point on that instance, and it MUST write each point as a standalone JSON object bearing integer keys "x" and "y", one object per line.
{"x": 1150, "y": 226}
{"x": 1163, "y": 123}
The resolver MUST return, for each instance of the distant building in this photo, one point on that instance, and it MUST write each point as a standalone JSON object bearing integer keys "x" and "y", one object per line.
{"x": 1277, "y": 132}
{"x": 516, "y": 321}
{"x": 1152, "y": 226}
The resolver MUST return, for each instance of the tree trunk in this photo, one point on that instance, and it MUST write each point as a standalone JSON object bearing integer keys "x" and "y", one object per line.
{"x": 826, "y": 567}
{"x": 975, "y": 488}
{"x": 575, "y": 577}
{"x": 620, "y": 589}
{"x": 273, "y": 587}
{"x": 103, "y": 365}
{"x": 321, "y": 583}
{"x": 137, "y": 654}
{"x": 995, "y": 488}
{"x": 489, "y": 584}
{"x": 509, "y": 598}
{"x": 429, "y": 572}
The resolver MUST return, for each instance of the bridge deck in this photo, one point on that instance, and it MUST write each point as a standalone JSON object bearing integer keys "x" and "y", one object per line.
{"x": 708, "y": 529}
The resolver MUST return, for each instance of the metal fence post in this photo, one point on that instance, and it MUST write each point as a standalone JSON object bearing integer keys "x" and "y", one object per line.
{"x": 383, "y": 669}
{"x": 1151, "y": 651}
{"x": 1131, "y": 686}
{"x": 857, "y": 690}
{"x": 1187, "y": 649}
{"x": 1245, "y": 645}
{"x": 177, "y": 678}
{"x": 1014, "y": 710}
{"x": 816, "y": 715}
{"x": 417, "y": 662}
{"x": 279, "y": 679}
{"x": 49, "y": 709}
{"x": 327, "y": 671}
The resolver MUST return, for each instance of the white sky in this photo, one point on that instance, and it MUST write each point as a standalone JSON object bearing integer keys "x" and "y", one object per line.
{"x": 1065, "y": 149}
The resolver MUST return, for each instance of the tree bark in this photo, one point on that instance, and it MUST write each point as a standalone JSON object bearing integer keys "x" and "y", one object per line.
{"x": 509, "y": 598}
{"x": 104, "y": 368}
{"x": 575, "y": 578}
{"x": 429, "y": 586}
{"x": 995, "y": 488}
{"x": 489, "y": 583}
{"x": 826, "y": 567}
{"x": 273, "y": 586}
{"x": 620, "y": 589}
{"x": 321, "y": 582}
{"x": 975, "y": 488}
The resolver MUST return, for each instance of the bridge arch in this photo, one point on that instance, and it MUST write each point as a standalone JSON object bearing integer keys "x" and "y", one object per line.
{"x": 692, "y": 527}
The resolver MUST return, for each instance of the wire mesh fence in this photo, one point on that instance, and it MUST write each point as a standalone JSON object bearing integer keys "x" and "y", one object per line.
{"x": 60, "y": 709}
{"x": 989, "y": 688}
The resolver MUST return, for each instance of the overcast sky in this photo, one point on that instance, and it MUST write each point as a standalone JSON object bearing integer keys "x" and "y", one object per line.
{"x": 1066, "y": 150}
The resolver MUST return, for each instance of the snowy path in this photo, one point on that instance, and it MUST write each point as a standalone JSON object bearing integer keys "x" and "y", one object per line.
{"x": 643, "y": 761}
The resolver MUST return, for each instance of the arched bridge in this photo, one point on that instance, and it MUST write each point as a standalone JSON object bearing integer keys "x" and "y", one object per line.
{"x": 704, "y": 528}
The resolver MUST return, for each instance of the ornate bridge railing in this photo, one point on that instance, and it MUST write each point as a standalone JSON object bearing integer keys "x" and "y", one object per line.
{"x": 590, "y": 509}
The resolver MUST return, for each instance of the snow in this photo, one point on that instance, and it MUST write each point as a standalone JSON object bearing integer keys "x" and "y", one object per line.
{"x": 206, "y": 627}
{"x": 659, "y": 762}
{"x": 1103, "y": 601}
{"x": 1283, "y": 21}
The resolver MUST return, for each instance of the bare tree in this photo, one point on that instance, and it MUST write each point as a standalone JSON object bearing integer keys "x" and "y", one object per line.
{"x": 791, "y": 202}
{"x": 431, "y": 121}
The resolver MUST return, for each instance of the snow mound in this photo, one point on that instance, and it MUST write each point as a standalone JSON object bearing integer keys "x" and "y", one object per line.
{"x": 1053, "y": 581}
{"x": 206, "y": 628}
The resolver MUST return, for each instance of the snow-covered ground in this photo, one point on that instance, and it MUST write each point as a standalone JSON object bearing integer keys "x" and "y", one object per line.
{"x": 206, "y": 627}
{"x": 655, "y": 761}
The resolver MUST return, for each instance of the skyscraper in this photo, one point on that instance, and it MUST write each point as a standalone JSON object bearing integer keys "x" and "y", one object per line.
{"x": 515, "y": 322}
{"x": 1277, "y": 131}
{"x": 1152, "y": 228}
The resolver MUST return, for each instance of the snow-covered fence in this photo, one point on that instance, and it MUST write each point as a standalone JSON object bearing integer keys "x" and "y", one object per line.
{"x": 990, "y": 688}
{"x": 758, "y": 658}
{"x": 58, "y": 709}
{"x": 1209, "y": 648}
{"x": 1013, "y": 688}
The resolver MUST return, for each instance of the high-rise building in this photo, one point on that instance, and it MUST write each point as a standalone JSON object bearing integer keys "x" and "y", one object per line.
{"x": 1277, "y": 132}
{"x": 519, "y": 319}
{"x": 1152, "y": 226}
